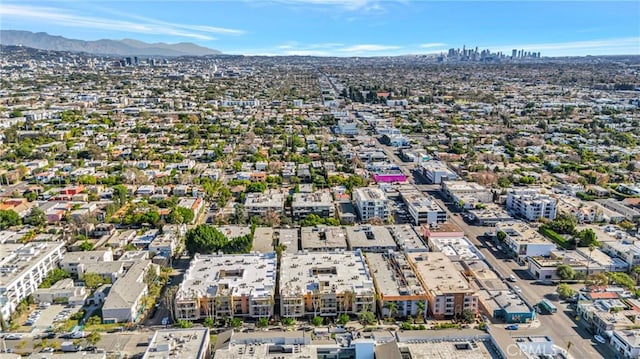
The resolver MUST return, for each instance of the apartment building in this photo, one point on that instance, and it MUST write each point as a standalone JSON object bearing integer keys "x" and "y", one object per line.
{"x": 259, "y": 204}
{"x": 626, "y": 343}
{"x": 319, "y": 203}
{"x": 423, "y": 209}
{"x": 368, "y": 238}
{"x": 371, "y": 202}
{"x": 325, "y": 284}
{"x": 227, "y": 285}
{"x": 524, "y": 241}
{"x": 125, "y": 303}
{"x": 448, "y": 291}
{"x": 75, "y": 262}
{"x": 22, "y": 268}
{"x": 531, "y": 204}
{"x": 399, "y": 290}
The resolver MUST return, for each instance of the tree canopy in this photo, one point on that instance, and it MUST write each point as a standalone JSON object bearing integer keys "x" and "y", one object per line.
{"x": 207, "y": 239}
{"x": 9, "y": 218}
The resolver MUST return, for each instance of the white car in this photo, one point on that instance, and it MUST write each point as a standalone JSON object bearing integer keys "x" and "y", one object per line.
{"x": 599, "y": 339}
{"x": 517, "y": 289}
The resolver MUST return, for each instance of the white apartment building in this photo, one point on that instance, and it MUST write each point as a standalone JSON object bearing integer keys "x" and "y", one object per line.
{"x": 524, "y": 241}
{"x": 437, "y": 171}
{"x": 193, "y": 343}
{"x": 423, "y": 209}
{"x": 531, "y": 204}
{"x": 319, "y": 203}
{"x": 325, "y": 284}
{"x": 371, "y": 202}
{"x": 22, "y": 268}
{"x": 466, "y": 194}
{"x": 228, "y": 285}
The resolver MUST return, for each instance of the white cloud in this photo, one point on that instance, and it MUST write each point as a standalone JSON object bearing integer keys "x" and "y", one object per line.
{"x": 368, "y": 48}
{"x": 432, "y": 44}
{"x": 145, "y": 26}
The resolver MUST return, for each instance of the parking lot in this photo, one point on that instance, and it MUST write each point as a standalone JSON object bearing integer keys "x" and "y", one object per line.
{"x": 55, "y": 313}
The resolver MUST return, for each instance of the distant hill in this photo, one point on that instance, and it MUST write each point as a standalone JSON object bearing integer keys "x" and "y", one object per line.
{"x": 126, "y": 47}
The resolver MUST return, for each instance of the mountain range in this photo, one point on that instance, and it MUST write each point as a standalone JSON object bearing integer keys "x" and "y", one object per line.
{"x": 125, "y": 47}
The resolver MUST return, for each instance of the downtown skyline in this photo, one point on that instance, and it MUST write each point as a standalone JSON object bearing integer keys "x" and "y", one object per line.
{"x": 343, "y": 28}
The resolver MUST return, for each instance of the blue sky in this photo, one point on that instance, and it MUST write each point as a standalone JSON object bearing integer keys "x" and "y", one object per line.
{"x": 342, "y": 27}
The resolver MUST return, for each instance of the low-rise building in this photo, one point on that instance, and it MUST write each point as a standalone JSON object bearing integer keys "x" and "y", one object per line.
{"x": 259, "y": 204}
{"x": 400, "y": 293}
{"x": 323, "y": 238}
{"x": 448, "y": 291}
{"x": 124, "y": 303}
{"x": 545, "y": 268}
{"x": 230, "y": 285}
{"x": 489, "y": 216}
{"x": 319, "y": 203}
{"x": 74, "y": 262}
{"x": 523, "y": 241}
{"x": 466, "y": 194}
{"x": 422, "y": 208}
{"x": 370, "y": 238}
{"x": 626, "y": 343}
{"x": 437, "y": 171}
{"x": 507, "y": 306}
{"x": 407, "y": 238}
{"x": 23, "y": 267}
{"x": 325, "y": 284}
{"x": 64, "y": 291}
{"x": 193, "y": 343}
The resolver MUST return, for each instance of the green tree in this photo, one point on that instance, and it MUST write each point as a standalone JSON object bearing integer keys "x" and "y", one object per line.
{"x": 468, "y": 316}
{"x": 94, "y": 280}
{"x": 183, "y": 324}
{"x": 392, "y": 309}
{"x": 587, "y": 238}
{"x": 565, "y": 272}
{"x": 9, "y": 218}
{"x": 316, "y": 321}
{"x": 262, "y": 322}
{"x": 501, "y": 236}
{"x": 207, "y": 239}
{"x": 343, "y": 319}
{"x": 287, "y": 321}
{"x": 86, "y": 246}
{"x": 53, "y": 277}
{"x": 236, "y": 322}
{"x": 209, "y": 322}
{"x": 93, "y": 338}
{"x": 565, "y": 291}
{"x": 366, "y": 317}
{"x": 36, "y": 217}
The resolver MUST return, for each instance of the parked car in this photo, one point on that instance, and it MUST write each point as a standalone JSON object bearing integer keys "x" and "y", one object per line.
{"x": 13, "y": 336}
{"x": 512, "y": 278}
{"x": 512, "y": 327}
{"x": 599, "y": 339}
{"x": 47, "y": 350}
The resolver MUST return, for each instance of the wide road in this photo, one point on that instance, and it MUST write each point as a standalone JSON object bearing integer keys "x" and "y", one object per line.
{"x": 561, "y": 326}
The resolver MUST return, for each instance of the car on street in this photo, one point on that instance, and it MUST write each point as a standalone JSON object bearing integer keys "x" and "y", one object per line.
{"x": 599, "y": 339}
{"x": 512, "y": 327}
{"x": 512, "y": 278}
{"x": 13, "y": 336}
{"x": 47, "y": 350}
{"x": 517, "y": 289}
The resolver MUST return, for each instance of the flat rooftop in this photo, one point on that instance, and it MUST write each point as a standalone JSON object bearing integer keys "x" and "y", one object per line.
{"x": 365, "y": 236}
{"x": 458, "y": 350}
{"x": 17, "y": 258}
{"x": 315, "y": 199}
{"x": 407, "y": 238}
{"x": 393, "y": 276}
{"x": 234, "y": 231}
{"x": 323, "y": 238}
{"x": 263, "y": 239}
{"x": 252, "y": 275}
{"x": 178, "y": 343}
{"x": 458, "y": 248}
{"x": 520, "y": 232}
{"x": 337, "y": 272}
{"x": 420, "y": 202}
{"x": 288, "y": 237}
{"x": 439, "y": 273}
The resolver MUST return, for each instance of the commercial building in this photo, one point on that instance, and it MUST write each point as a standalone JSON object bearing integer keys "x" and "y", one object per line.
{"x": 407, "y": 238}
{"x": 319, "y": 203}
{"x": 489, "y": 216}
{"x": 448, "y": 291}
{"x": 259, "y": 204}
{"x": 466, "y": 194}
{"x": 371, "y": 202}
{"x": 22, "y": 268}
{"x": 523, "y": 241}
{"x": 227, "y": 285}
{"x": 325, "y": 284}
{"x": 507, "y": 306}
{"x": 626, "y": 343}
{"x": 437, "y": 171}
{"x": 400, "y": 293}
{"x": 545, "y": 268}
{"x": 193, "y": 343}
{"x": 531, "y": 204}
{"x": 423, "y": 209}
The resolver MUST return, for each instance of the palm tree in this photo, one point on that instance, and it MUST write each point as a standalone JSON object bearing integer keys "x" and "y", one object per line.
{"x": 347, "y": 301}
{"x": 421, "y": 307}
{"x": 392, "y": 309}
{"x": 591, "y": 249}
